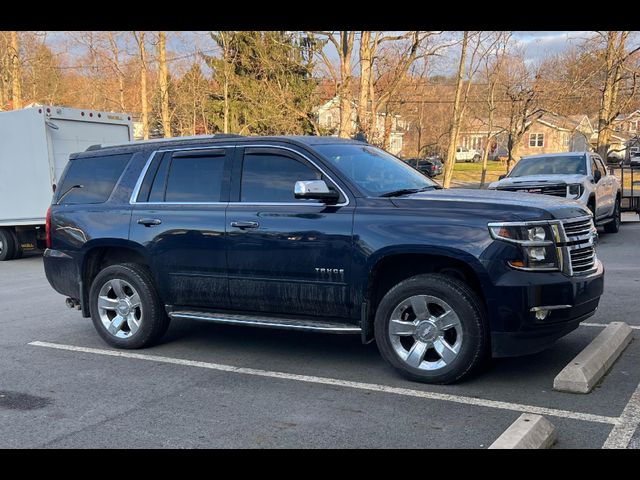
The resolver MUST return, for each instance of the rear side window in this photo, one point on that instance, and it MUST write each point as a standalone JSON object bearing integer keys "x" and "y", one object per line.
{"x": 91, "y": 179}
{"x": 195, "y": 179}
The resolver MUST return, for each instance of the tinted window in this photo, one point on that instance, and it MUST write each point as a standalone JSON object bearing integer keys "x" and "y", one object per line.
{"x": 195, "y": 179}
{"x": 95, "y": 177}
{"x": 375, "y": 171}
{"x": 159, "y": 181}
{"x": 560, "y": 165}
{"x": 271, "y": 177}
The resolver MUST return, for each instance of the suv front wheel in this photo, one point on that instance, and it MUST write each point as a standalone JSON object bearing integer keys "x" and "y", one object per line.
{"x": 432, "y": 329}
{"x": 125, "y": 307}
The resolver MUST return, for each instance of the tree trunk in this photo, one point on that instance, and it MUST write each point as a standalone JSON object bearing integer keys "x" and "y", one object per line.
{"x": 143, "y": 86}
{"x": 116, "y": 63}
{"x": 388, "y": 126}
{"x": 610, "y": 91}
{"x": 16, "y": 72}
{"x": 344, "y": 91}
{"x": 485, "y": 154}
{"x": 225, "y": 84}
{"x": 366, "y": 63}
{"x": 456, "y": 116}
{"x": 164, "y": 83}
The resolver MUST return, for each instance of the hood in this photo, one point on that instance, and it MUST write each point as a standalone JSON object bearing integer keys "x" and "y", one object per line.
{"x": 527, "y": 180}
{"x": 494, "y": 204}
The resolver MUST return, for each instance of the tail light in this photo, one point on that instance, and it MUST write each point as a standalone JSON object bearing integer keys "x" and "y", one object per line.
{"x": 48, "y": 228}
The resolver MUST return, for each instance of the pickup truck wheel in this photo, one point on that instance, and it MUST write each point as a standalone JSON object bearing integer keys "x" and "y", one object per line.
{"x": 431, "y": 328}
{"x": 125, "y": 307}
{"x": 614, "y": 225}
{"x": 7, "y": 245}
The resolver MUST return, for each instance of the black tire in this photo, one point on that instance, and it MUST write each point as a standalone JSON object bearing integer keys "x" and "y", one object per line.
{"x": 7, "y": 245}
{"x": 154, "y": 322}
{"x": 614, "y": 225}
{"x": 591, "y": 205}
{"x": 475, "y": 346}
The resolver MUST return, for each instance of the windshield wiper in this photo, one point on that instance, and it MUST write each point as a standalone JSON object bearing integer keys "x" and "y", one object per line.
{"x": 68, "y": 191}
{"x": 405, "y": 191}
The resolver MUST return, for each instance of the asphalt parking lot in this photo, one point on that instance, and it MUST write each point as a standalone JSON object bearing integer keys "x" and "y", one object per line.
{"x": 230, "y": 387}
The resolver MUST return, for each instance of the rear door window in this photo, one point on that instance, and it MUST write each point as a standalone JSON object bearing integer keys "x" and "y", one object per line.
{"x": 91, "y": 179}
{"x": 195, "y": 177}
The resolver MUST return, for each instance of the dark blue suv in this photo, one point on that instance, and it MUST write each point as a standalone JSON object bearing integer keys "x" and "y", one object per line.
{"x": 317, "y": 234}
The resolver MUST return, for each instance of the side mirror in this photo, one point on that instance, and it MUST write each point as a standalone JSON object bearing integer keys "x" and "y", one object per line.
{"x": 315, "y": 190}
{"x": 597, "y": 175}
{"x": 501, "y": 177}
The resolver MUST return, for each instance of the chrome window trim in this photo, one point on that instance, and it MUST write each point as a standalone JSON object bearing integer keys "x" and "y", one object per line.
{"x": 136, "y": 190}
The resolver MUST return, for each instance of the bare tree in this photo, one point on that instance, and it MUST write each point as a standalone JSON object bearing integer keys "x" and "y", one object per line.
{"x": 492, "y": 66}
{"x": 617, "y": 75}
{"x": 140, "y": 40}
{"x": 481, "y": 44}
{"x": 163, "y": 82}
{"x": 16, "y": 72}
{"x": 343, "y": 44}
{"x": 117, "y": 67}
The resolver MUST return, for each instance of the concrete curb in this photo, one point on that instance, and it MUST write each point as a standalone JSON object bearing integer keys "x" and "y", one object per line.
{"x": 590, "y": 365}
{"x": 528, "y": 431}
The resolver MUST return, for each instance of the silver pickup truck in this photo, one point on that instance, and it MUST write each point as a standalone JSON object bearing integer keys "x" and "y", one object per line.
{"x": 580, "y": 176}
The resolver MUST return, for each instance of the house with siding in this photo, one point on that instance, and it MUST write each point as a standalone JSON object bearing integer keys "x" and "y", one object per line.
{"x": 328, "y": 118}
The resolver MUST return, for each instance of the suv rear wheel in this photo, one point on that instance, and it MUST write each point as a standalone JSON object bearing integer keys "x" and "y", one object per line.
{"x": 431, "y": 328}
{"x": 125, "y": 307}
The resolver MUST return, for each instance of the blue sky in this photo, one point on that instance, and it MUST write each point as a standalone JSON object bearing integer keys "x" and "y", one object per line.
{"x": 536, "y": 44}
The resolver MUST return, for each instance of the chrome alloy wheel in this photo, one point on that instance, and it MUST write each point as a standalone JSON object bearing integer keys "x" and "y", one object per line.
{"x": 425, "y": 332}
{"x": 120, "y": 308}
{"x": 1, "y": 246}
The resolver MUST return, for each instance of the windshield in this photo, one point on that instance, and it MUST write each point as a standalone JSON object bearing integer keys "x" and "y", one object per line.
{"x": 561, "y": 165}
{"x": 373, "y": 170}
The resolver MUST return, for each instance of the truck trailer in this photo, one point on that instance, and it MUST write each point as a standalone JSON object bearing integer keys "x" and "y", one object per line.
{"x": 35, "y": 144}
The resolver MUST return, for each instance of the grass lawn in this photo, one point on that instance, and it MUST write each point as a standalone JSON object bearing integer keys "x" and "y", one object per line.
{"x": 471, "y": 172}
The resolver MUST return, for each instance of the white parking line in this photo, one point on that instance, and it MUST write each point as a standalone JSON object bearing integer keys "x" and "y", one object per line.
{"x": 602, "y": 325}
{"x": 629, "y": 421}
{"x": 479, "y": 402}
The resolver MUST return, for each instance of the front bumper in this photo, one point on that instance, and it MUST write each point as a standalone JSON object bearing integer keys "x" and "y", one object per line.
{"x": 514, "y": 327}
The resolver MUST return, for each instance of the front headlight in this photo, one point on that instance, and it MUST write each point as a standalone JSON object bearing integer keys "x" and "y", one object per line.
{"x": 536, "y": 240}
{"x": 575, "y": 190}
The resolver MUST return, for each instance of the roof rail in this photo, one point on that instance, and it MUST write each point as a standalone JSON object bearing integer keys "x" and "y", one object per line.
{"x": 162, "y": 139}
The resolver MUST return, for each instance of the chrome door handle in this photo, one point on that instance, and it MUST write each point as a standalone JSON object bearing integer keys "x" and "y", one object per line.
{"x": 243, "y": 225}
{"x": 149, "y": 222}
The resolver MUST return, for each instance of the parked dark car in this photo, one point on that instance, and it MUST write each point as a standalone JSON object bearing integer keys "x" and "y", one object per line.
{"x": 432, "y": 167}
{"x": 316, "y": 234}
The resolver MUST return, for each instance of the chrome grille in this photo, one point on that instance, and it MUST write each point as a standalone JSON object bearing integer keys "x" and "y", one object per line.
{"x": 578, "y": 228}
{"x": 579, "y": 242}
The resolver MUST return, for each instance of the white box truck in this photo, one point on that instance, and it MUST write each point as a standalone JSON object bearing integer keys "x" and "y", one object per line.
{"x": 35, "y": 144}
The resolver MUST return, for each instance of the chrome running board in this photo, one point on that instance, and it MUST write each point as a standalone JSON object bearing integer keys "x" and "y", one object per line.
{"x": 268, "y": 322}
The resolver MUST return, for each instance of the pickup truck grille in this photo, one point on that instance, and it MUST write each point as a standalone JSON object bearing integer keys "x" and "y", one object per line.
{"x": 579, "y": 240}
{"x": 555, "y": 190}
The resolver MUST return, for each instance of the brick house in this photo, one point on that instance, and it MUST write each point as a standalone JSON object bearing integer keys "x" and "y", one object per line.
{"x": 548, "y": 134}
